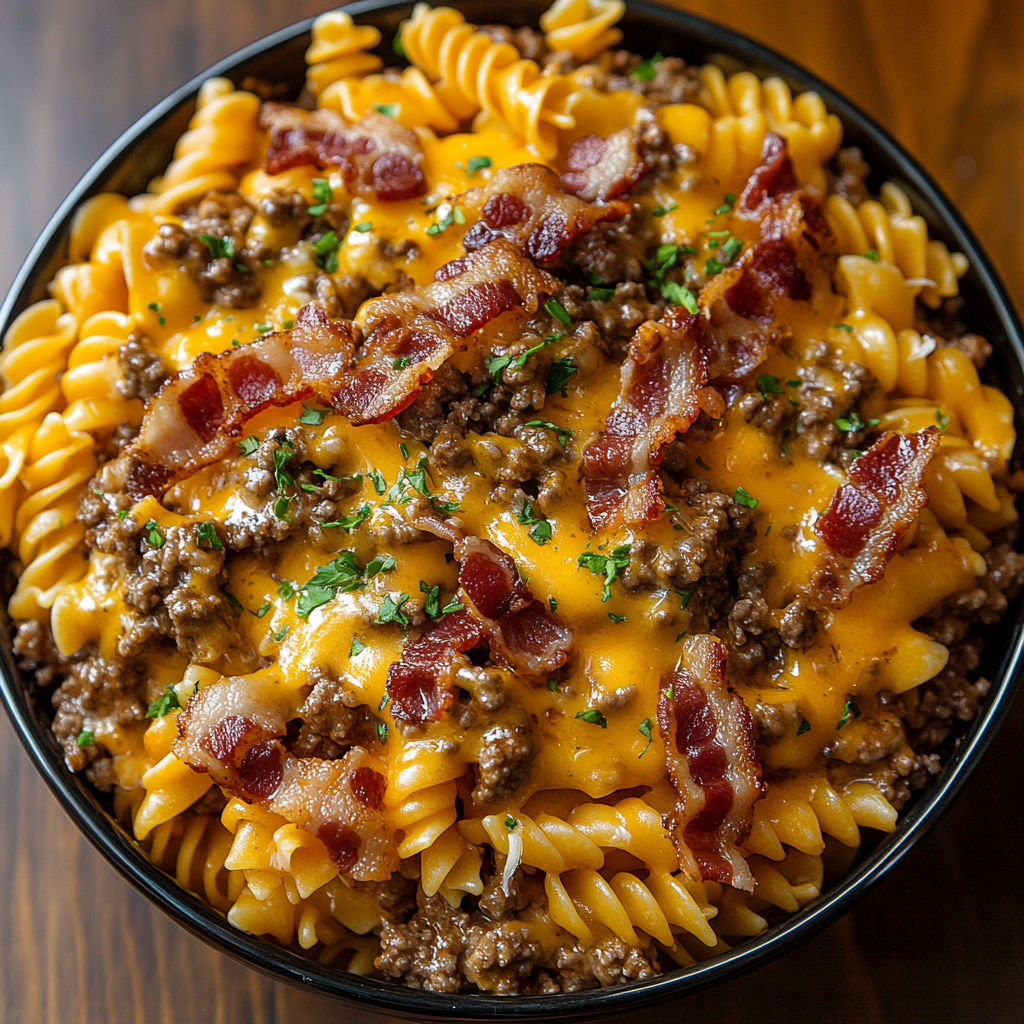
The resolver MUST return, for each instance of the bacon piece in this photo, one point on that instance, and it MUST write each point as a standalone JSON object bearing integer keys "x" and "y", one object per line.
{"x": 712, "y": 762}
{"x": 792, "y": 252}
{"x": 198, "y": 412}
{"x": 869, "y": 516}
{"x": 661, "y": 393}
{"x": 419, "y": 684}
{"x": 233, "y": 730}
{"x": 375, "y": 156}
{"x": 192, "y": 421}
{"x": 527, "y": 205}
{"x": 501, "y": 611}
{"x": 774, "y": 175}
{"x": 601, "y": 169}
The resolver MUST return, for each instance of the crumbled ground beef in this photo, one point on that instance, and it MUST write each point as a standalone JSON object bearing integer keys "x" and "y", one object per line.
{"x": 974, "y": 346}
{"x": 330, "y": 720}
{"x": 849, "y": 179}
{"x": 143, "y": 369}
{"x": 528, "y": 41}
{"x": 504, "y": 754}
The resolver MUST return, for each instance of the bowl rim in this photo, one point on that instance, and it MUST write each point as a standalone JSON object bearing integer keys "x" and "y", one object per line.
{"x": 390, "y": 997}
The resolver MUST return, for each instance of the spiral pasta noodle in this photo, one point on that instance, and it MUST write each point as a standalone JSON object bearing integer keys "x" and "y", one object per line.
{"x": 338, "y": 51}
{"x": 473, "y": 73}
{"x": 222, "y": 139}
{"x": 890, "y": 230}
{"x": 583, "y": 27}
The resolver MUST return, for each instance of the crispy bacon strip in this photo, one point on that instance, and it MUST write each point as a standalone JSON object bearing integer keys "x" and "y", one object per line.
{"x": 233, "y": 730}
{"x": 712, "y": 762}
{"x": 501, "y": 612}
{"x": 193, "y": 420}
{"x": 601, "y": 169}
{"x": 739, "y": 303}
{"x": 198, "y": 412}
{"x": 869, "y": 516}
{"x": 527, "y": 206}
{"x": 662, "y": 391}
{"x": 376, "y": 155}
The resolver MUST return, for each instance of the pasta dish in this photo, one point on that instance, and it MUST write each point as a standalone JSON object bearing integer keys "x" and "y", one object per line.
{"x": 511, "y": 522}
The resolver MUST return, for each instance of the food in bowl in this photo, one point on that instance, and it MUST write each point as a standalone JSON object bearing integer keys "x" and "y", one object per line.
{"x": 507, "y": 524}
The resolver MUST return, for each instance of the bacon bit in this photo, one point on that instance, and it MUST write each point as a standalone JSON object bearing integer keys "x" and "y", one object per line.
{"x": 193, "y": 420}
{"x": 376, "y": 155}
{"x": 869, "y": 516}
{"x": 527, "y": 205}
{"x": 601, "y": 169}
{"x": 662, "y": 392}
{"x": 712, "y": 762}
{"x": 233, "y": 730}
{"x": 500, "y": 610}
{"x": 773, "y": 177}
{"x": 739, "y": 303}
{"x": 342, "y": 844}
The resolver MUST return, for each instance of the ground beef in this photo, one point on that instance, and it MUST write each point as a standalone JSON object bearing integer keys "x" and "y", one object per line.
{"x": 143, "y": 369}
{"x": 341, "y": 295}
{"x": 528, "y": 41}
{"x": 849, "y": 179}
{"x": 331, "y": 720}
{"x": 773, "y": 722}
{"x": 426, "y": 416}
{"x": 37, "y": 654}
{"x": 974, "y": 346}
{"x": 616, "y": 70}
{"x": 504, "y": 754}
{"x": 231, "y": 279}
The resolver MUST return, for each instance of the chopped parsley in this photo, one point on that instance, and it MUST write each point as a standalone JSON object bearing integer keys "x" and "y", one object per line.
{"x": 432, "y": 602}
{"x": 726, "y": 207}
{"x": 350, "y": 522}
{"x": 851, "y": 423}
{"x": 646, "y": 727}
{"x": 557, "y": 310}
{"x": 660, "y": 211}
{"x": 675, "y": 293}
{"x": 326, "y": 253}
{"x": 122, "y": 514}
{"x": 382, "y": 563}
{"x": 401, "y": 363}
{"x": 380, "y": 485}
{"x": 942, "y": 419}
{"x": 262, "y": 610}
{"x": 206, "y": 536}
{"x": 387, "y": 109}
{"x": 872, "y": 254}
{"x": 605, "y": 565}
{"x": 731, "y": 248}
{"x": 154, "y": 538}
{"x": 553, "y": 685}
{"x": 702, "y": 463}
{"x": 713, "y": 267}
{"x": 600, "y": 294}
{"x": 321, "y": 197}
{"x": 510, "y": 823}
{"x": 454, "y": 216}
{"x": 357, "y": 647}
{"x": 282, "y": 479}
{"x": 381, "y": 730}
{"x": 85, "y": 738}
{"x": 768, "y": 384}
{"x": 164, "y": 704}
{"x": 684, "y": 597}
{"x": 285, "y": 590}
{"x": 220, "y": 248}
{"x": 280, "y": 635}
{"x": 264, "y": 328}
{"x": 496, "y": 367}
{"x": 417, "y": 479}
{"x": 233, "y": 601}
{"x": 745, "y": 498}
{"x": 341, "y": 575}
{"x": 594, "y": 717}
{"x": 842, "y": 327}
{"x": 313, "y": 417}
{"x": 540, "y": 529}
{"x": 803, "y": 727}
{"x": 646, "y": 69}
{"x": 391, "y": 611}
{"x": 564, "y": 434}
{"x": 616, "y": 618}
{"x": 477, "y": 163}
{"x": 850, "y": 712}
{"x": 155, "y": 306}
{"x": 553, "y": 604}
{"x": 558, "y": 376}
{"x": 287, "y": 325}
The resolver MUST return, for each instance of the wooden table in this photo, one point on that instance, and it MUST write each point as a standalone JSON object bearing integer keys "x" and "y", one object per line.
{"x": 942, "y": 939}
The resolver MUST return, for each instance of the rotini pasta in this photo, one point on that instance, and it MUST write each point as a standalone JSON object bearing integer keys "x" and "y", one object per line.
{"x": 378, "y": 594}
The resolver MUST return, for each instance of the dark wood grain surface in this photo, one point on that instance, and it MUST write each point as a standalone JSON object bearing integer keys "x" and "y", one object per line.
{"x": 942, "y": 939}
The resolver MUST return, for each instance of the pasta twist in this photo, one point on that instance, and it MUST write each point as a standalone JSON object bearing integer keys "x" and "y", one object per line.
{"x": 891, "y": 230}
{"x": 339, "y": 50}
{"x": 744, "y": 108}
{"x": 412, "y": 98}
{"x": 796, "y": 812}
{"x": 583, "y": 27}
{"x": 420, "y": 796}
{"x": 473, "y": 73}
{"x": 221, "y": 142}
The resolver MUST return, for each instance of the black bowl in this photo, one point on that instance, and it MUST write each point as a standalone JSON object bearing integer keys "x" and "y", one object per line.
{"x": 145, "y": 149}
